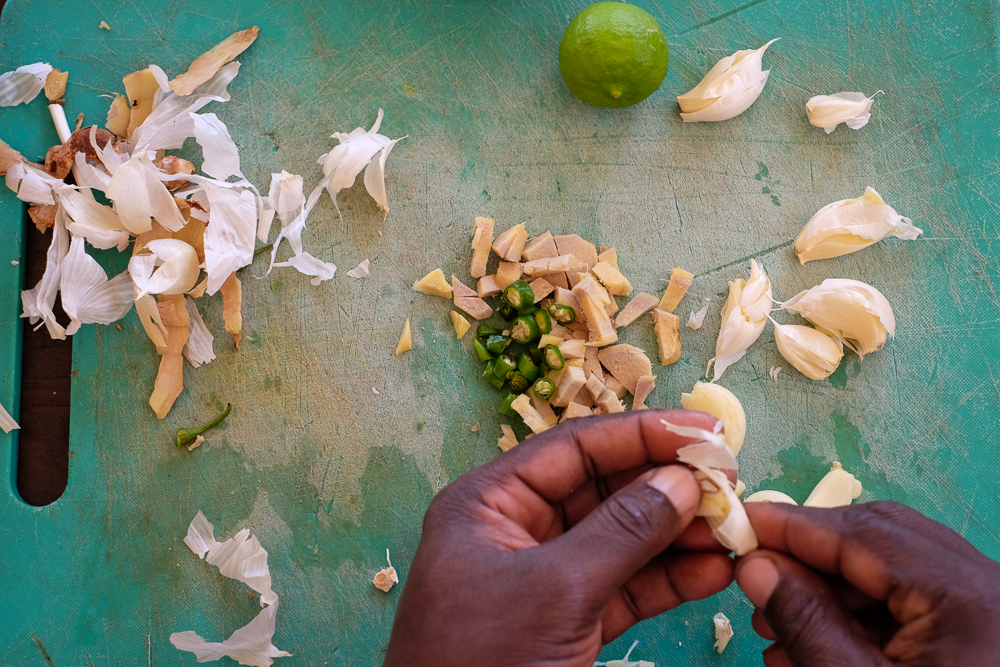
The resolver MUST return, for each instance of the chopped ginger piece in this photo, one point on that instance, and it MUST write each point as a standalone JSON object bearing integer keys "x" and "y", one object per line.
{"x": 609, "y": 256}
{"x": 549, "y": 339}
{"x": 508, "y": 439}
{"x": 574, "y": 410}
{"x": 387, "y": 577}
{"x": 55, "y": 85}
{"x": 461, "y": 325}
{"x": 405, "y": 340}
{"x": 532, "y": 418}
{"x": 668, "y": 336}
{"x": 584, "y": 251}
{"x": 626, "y": 363}
{"x": 467, "y": 300}
{"x": 540, "y": 247}
{"x": 616, "y": 387}
{"x": 170, "y": 375}
{"x": 612, "y": 279}
{"x": 680, "y": 281}
{"x": 569, "y": 381}
{"x": 541, "y": 288}
{"x": 435, "y": 284}
{"x": 643, "y": 388}
{"x": 103, "y": 25}
{"x": 573, "y": 349}
{"x": 510, "y": 244}
{"x": 487, "y": 286}
{"x": 641, "y": 304}
{"x": 548, "y": 265}
{"x": 482, "y": 238}
{"x": 602, "y": 332}
{"x": 507, "y": 274}
{"x": 232, "y": 308}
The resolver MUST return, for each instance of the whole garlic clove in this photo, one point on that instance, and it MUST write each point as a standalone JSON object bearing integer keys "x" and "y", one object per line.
{"x": 723, "y": 405}
{"x": 729, "y": 88}
{"x": 811, "y": 352}
{"x": 829, "y": 111}
{"x": 743, "y": 318}
{"x": 838, "y": 488}
{"x": 850, "y": 225}
{"x": 853, "y": 312}
{"x": 770, "y": 497}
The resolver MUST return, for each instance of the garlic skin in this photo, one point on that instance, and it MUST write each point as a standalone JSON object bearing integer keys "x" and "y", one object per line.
{"x": 829, "y": 111}
{"x": 853, "y": 312}
{"x": 770, "y": 497}
{"x": 743, "y": 318}
{"x": 838, "y": 488}
{"x": 811, "y": 352}
{"x": 728, "y": 89}
{"x": 723, "y": 405}
{"x": 850, "y": 225}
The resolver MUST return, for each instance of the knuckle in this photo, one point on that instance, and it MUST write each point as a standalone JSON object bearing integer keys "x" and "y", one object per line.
{"x": 800, "y": 624}
{"x": 637, "y": 515}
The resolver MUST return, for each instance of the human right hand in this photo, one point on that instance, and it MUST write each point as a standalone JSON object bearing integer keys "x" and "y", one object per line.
{"x": 873, "y": 585}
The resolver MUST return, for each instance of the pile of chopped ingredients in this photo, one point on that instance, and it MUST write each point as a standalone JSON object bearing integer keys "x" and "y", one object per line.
{"x": 188, "y": 233}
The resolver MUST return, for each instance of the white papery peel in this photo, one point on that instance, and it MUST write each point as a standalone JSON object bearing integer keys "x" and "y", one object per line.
{"x": 710, "y": 455}
{"x": 199, "y": 347}
{"x": 242, "y": 558}
{"x": 7, "y": 423}
{"x": 222, "y": 158}
{"x": 39, "y": 300}
{"x": 172, "y": 268}
{"x": 361, "y": 270}
{"x": 88, "y": 297}
{"x": 23, "y": 84}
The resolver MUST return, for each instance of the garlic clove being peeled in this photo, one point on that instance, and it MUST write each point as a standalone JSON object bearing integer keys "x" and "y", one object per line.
{"x": 728, "y": 89}
{"x": 723, "y": 405}
{"x": 850, "y": 225}
{"x": 743, "y": 318}
{"x": 838, "y": 488}
{"x": 853, "y": 312}
{"x": 829, "y": 111}
{"x": 811, "y": 352}
{"x": 770, "y": 497}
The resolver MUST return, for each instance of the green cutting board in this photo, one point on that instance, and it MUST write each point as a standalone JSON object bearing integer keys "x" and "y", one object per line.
{"x": 327, "y": 473}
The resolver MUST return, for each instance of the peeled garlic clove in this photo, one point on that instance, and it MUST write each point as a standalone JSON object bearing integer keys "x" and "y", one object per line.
{"x": 740, "y": 488}
{"x": 850, "y": 225}
{"x": 743, "y": 318}
{"x": 769, "y": 497}
{"x": 731, "y": 527}
{"x": 838, "y": 488}
{"x": 723, "y": 405}
{"x": 851, "y": 311}
{"x": 728, "y": 89}
{"x": 829, "y": 111}
{"x": 812, "y": 352}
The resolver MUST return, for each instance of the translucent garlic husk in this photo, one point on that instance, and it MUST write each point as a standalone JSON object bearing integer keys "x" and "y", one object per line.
{"x": 850, "y": 225}
{"x": 853, "y": 312}
{"x": 743, "y": 318}
{"x": 811, "y": 352}
{"x": 829, "y": 111}
{"x": 729, "y": 88}
{"x": 838, "y": 488}
{"x": 723, "y": 405}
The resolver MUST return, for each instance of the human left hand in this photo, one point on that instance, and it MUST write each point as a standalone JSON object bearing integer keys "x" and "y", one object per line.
{"x": 559, "y": 546}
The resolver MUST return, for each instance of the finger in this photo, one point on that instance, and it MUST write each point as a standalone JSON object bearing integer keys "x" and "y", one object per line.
{"x": 698, "y": 537}
{"x": 761, "y": 627}
{"x": 775, "y": 657}
{"x": 556, "y": 463}
{"x": 631, "y": 527}
{"x": 883, "y": 559}
{"x": 804, "y": 612}
{"x": 663, "y": 584}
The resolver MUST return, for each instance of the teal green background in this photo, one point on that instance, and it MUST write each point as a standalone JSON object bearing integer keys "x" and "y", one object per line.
{"x": 326, "y": 473}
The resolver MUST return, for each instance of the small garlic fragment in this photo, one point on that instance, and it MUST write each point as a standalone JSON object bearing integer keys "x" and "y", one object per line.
{"x": 769, "y": 497}
{"x": 743, "y": 318}
{"x": 723, "y": 632}
{"x": 740, "y": 488}
{"x": 829, "y": 111}
{"x": 697, "y": 317}
{"x": 853, "y": 312}
{"x": 812, "y": 352}
{"x": 728, "y": 89}
{"x": 722, "y": 404}
{"x": 838, "y": 488}
{"x": 850, "y": 225}
{"x": 773, "y": 372}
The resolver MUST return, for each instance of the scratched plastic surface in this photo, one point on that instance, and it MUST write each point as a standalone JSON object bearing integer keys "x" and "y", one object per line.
{"x": 327, "y": 473}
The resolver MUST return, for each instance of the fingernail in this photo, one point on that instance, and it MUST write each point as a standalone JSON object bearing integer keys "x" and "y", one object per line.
{"x": 758, "y": 577}
{"x": 679, "y": 486}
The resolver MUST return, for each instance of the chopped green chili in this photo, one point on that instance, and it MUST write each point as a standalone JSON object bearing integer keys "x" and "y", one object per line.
{"x": 491, "y": 377}
{"x": 485, "y": 332}
{"x": 537, "y": 354}
{"x": 497, "y": 344}
{"x": 527, "y": 367}
{"x": 525, "y": 329}
{"x": 504, "y": 365}
{"x": 544, "y": 321}
{"x": 519, "y": 383}
{"x": 562, "y": 314}
{"x": 554, "y": 358}
{"x": 505, "y": 408}
{"x": 480, "y": 347}
{"x": 505, "y": 310}
{"x": 519, "y": 295}
{"x": 544, "y": 388}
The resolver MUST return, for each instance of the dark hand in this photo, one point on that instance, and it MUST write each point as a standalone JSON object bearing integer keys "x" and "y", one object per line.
{"x": 527, "y": 561}
{"x": 872, "y": 585}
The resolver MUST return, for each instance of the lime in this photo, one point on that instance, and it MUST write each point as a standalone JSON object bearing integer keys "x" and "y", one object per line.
{"x": 613, "y": 55}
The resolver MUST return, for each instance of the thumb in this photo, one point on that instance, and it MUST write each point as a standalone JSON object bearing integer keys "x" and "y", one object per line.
{"x": 811, "y": 622}
{"x": 631, "y": 527}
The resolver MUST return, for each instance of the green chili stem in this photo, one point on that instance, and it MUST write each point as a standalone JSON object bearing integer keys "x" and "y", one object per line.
{"x": 185, "y": 436}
